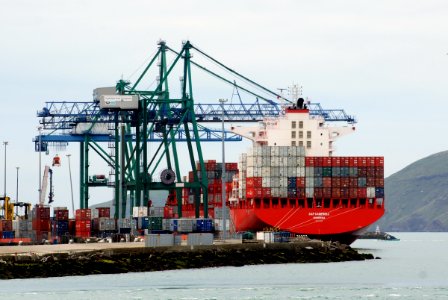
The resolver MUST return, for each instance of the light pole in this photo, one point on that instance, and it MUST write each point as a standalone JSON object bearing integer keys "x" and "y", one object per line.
{"x": 223, "y": 176}
{"x": 17, "y": 190}
{"x": 40, "y": 161}
{"x": 71, "y": 183}
{"x": 5, "y": 143}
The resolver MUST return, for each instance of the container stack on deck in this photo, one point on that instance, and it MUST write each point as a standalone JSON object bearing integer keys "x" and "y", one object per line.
{"x": 214, "y": 178}
{"x": 41, "y": 222}
{"x": 59, "y": 223}
{"x": 285, "y": 172}
{"x": 83, "y": 222}
{"x": 6, "y": 229}
{"x": 264, "y": 171}
{"x": 102, "y": 224}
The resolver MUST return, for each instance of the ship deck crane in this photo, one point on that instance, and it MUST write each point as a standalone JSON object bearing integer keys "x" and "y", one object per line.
{"x": 161, "y": 118}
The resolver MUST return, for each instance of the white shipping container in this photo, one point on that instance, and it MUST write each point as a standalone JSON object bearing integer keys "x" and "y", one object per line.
{"x": 275, "y": 182}
{"x": 265, "y": 171}
{"x": 219, "y": 224}
{"x": 275, "y": 171}
{"x": 250, "y": 161}
{"x": 300, "y": 171}
{"x": 266, "y": 181}
{"x": 370, "y": 192}
{"x": 139, "y": 211}
{"x": 283, "y": 191}
{"x": 156, "y": 211}
{"x": 275, "y": 192}
{"x": 197, "y": 239}
{"x": 185, "y": 225}
{"x": 159, "y": 240}
{"x": 266, "y": 161}
{"x": 300, "y": 161}
{"x": 309, "y": 192}
{"x": 309, "y": 182}
{"x": 292, "y": 172}
{"x": 292, "y": 151}
{"x": 309, "y": 171}
{"x": 257, "y": 172}
{"x": 282, "y": 172}
{"x": 275, "y": 161}
{"x": 258, "y": 161}
{"x": 266, "y": 151}
{"x": 250, "y": 172}
{"x": 284, "y": 161}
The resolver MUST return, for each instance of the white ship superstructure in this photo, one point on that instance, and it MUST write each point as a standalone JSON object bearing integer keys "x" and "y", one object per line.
{"x": 296, "y": 127}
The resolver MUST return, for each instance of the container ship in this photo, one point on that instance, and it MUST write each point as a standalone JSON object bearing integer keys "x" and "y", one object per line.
{"x": 289, "y": 180}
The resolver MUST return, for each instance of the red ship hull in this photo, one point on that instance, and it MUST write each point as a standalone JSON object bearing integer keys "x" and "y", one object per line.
{"x": 337, "y": 224}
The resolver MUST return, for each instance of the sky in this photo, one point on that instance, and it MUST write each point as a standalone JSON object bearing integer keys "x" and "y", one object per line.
{"x": 384, "y": 62}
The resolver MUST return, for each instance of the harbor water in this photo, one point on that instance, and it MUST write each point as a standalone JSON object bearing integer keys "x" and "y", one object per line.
{"x": 416, "y": 267}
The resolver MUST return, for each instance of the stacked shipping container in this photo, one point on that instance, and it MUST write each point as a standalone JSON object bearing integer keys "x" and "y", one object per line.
{"x": 83, "y": 222}
{"x": 41, "y": 222}
{"x": 214, "y": 177}
{"x": 285, "y": 172}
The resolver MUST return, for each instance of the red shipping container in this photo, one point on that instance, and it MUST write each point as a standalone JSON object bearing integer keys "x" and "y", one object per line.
{"x": 336, "y": 192}
{"x": 379, "y": 161}
{"x": 83, "y": 214}
{"x": 362, "y": 161}
{"x": 103, "y": 212}
{"x": 258, "y": 182}
{"x": 370, "y": 171}
{"x": 336, "y": 182}
{"x": 353, "y": 192}
{"x": 344, "y": 193}
{"x": 353, "y": 182}
{"x": 190, "y": 176}
{"x": 326, "y": 161}
{"x": 370, "y": 181}
{"x": 318, "y": 161}
{"x": 250, "y": 193}
{"x": 301, "y": 193}
{"x": 327, "y": 192}
{"x": 83, "y": 225}
{"x": 318, "y": 192}
{"x": 379, "y": 182}
{"x": 168, "y": 212}
{"x": 353, "y": 161}
{"x": 309, "y": 161}
{"x": 345, "y": 162}
{"x": 326, "y": 182}
{"x": 266, "y": 192}
{"x": 6, "y": 225}
{"x": 362, "y": 192}
{"x": 336, "y": 161}
{"x": 362, "y": 171}
{"x": 249, "y": 182}
{"x": 41, "y": 224}
{"x": 300, "y": 182}
{"x": 41, "y": 212}
{"x": 379, "y": 172}
{"x": 258, "y": 192}
{"x": 371, "y": 161}
{"x": 345, "y": 182}
{"x": 61, "y": 214}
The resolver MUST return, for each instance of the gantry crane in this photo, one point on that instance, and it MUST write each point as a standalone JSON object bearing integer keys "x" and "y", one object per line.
{"x": 156, "y": 117}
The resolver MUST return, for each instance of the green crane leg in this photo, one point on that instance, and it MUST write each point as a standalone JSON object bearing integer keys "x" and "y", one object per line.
{"x": 117, "y": 171}
{"x": 81, "y": 175}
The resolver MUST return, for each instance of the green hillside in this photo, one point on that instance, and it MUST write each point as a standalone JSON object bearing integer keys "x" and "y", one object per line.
{"x": 417, "y": 196}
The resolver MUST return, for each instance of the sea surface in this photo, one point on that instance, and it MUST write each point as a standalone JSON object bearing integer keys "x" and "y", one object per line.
{"x": 416, "y": 267}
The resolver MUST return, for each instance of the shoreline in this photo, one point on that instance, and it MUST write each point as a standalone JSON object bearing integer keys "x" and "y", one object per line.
{"x": 137, "y": 258}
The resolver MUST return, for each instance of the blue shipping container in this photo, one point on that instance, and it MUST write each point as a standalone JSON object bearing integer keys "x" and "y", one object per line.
{"x": 8, "y": 234}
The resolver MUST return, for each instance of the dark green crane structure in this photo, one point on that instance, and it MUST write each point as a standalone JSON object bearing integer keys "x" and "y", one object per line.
{"x": 157, "y": 113}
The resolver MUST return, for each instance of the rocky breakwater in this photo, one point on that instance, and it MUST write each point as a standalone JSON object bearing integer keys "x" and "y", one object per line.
{"x": 123, "y": 260}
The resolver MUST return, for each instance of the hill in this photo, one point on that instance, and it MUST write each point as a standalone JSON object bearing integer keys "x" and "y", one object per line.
{"x": 417, "y": 196}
